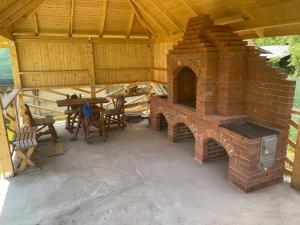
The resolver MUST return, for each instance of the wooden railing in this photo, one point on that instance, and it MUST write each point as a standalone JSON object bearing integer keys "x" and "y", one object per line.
{"x": 9, "y": 122}
{"x": 293, "y": 162}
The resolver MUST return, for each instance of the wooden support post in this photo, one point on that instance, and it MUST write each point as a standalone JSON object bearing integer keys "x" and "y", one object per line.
{"x": 16, "y": 77}
{"x": 6, "y": 163}
{"x": 295, "y": 182}
{"x": 91, "y": 68}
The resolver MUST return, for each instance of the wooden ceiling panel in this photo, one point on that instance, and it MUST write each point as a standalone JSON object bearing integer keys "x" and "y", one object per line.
{"x": 160, "y": 17}
{"x": 117, "y": 17}
{"x": 54, "y": 15}
{"x": 137, "y": 28}
{"x": 87, "y": 15}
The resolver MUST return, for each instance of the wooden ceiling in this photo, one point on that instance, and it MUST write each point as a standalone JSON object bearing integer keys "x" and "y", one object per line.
{"x": 144, "y": 18}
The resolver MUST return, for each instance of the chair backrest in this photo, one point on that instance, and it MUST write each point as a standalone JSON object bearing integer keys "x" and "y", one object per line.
{"x": 120, "y": 103}
{"x": 28, "y": 120}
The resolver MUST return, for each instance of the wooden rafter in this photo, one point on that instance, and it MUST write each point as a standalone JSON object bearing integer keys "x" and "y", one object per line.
{"x": 267, "y": 21}
{"x": 190, "y": 6}
{"x": 22, "y": 14}
{"x": 36, "y": 24}
{"x": 103, "y": 17}
{"x": 167, "y": 14}
{"x": 144, "y": 23}
{"x": 71, "y": 17}
{"x": 151, "y": 16}
{"x": 131, "y": 20}
{"x": 5, "y": 34}
{"x": 243, "y": 9}
{"x": 13, "y": 9}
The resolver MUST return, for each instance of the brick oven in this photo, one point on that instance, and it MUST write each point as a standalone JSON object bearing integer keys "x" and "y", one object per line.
{"x": 230, "y": 100}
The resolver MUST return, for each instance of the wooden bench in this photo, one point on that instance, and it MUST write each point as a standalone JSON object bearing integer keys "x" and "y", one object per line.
{"x": 24, "y": 145}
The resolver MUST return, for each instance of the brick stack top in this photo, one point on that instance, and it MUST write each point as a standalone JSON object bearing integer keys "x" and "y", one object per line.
{"x": 231, "y": 78}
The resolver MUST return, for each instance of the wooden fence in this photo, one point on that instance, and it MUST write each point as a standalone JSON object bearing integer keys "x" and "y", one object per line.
{"x": 293, "y": 163}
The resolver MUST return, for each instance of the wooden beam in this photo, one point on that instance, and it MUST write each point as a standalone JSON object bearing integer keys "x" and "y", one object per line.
{"x": 190, "y": 7}
{"x": 24, "y": 13}
{"x": 167, "y": 14}
{"x": 71, "y": 17}
{"x": 6, "y": 163}
{"x": 244, "y": 11}
{"x": 39, "y": 98}
{"x": 9, "y": 98}
{"x": 15, "y": 65}
{"x": 82, "y": 90}
{"x": 103, "y": 17}
{"x": 267, "y": 21}
{"x": 36, "y": 24}
{"x": 131, "y": 20}
{"x": 56, "y": 92}
{"x": 13, "y": 9}
{"x": 151, "y": 16}
{"x": 143, "y": 22}
{"x": 4, "y": 33}
{"x": 44, "y": 108}
{"x": 295, "y": 181}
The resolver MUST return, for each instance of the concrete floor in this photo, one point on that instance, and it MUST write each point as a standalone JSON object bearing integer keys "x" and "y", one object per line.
{"x": 138, "y": 177}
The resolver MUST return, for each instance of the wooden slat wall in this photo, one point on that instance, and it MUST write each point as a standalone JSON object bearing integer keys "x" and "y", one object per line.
{"x": 48, "y": 64}
{"x": 160, "y": 61}
{"x": 121, "y": 63}
{"x": 63, "y": 63}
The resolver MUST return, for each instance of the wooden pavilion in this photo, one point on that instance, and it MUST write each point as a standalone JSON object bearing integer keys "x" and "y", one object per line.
{"x": 83, "y": 43}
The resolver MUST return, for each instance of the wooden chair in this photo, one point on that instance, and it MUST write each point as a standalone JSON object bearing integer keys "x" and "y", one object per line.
{"x": 116, "y": 115}
{"x": 24, "y": 145}
{"x": 96, "y": 120}
{"x": 44, "y": 123}
{"x": 72, "y": 113}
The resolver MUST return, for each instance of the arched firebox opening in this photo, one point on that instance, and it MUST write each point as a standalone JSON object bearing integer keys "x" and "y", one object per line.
{"x": 214, "y": 150}
{"x": 183, "y": 134}
{"x": 186, "y": 87}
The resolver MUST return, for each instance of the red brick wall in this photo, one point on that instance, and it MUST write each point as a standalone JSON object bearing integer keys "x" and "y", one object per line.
{"x": 231, "y": 80}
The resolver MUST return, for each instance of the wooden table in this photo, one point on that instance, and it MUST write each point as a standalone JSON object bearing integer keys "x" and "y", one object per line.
{"x": 80, "y": 103}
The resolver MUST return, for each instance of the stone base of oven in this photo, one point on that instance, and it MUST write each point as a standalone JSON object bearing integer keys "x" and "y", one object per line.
{"x": 214, "y": 142}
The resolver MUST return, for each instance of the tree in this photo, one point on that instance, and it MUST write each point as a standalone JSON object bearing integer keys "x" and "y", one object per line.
{"x": 294, "y": 49}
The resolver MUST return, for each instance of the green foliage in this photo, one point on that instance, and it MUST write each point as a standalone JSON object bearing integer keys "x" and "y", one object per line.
{"x": 294, "y": 49}
{"x": 295, "y": 58}
{"x": 275, "y": 61}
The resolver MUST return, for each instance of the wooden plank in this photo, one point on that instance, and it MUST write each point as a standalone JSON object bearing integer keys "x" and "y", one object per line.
{"x": 291, "y": 143}
{"x": 56, "y": 92}
{"x": 151, "y": 16}
{"x": 296, "y": 111}
{"x": 103, "y": 17}
{"x": 295, "y": 181}
{"x": 5, "y": 153}
{"x": 288, "y": 172}
{"x": 9, "y": 98}
{"x": 15, "y": 65}
{"x": 24, "y": 13}
{"x": 190, "y": 7}
{"x": 167, "y": 14}
{"x": 294, "y": 124}
{"x": 39, "y": 98}
{"x": 143, "y": 22}
{"x": 289, "y": 162}
{"x": 71, "y": 17}
{"x": 4, "y": 33}
{"x": 13, "y": 9}
{"x": 82, "y": 90}
{"x": 44, "y": 108}
{"x": 36, "y": 24}
{"x": 131, "y": 20}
